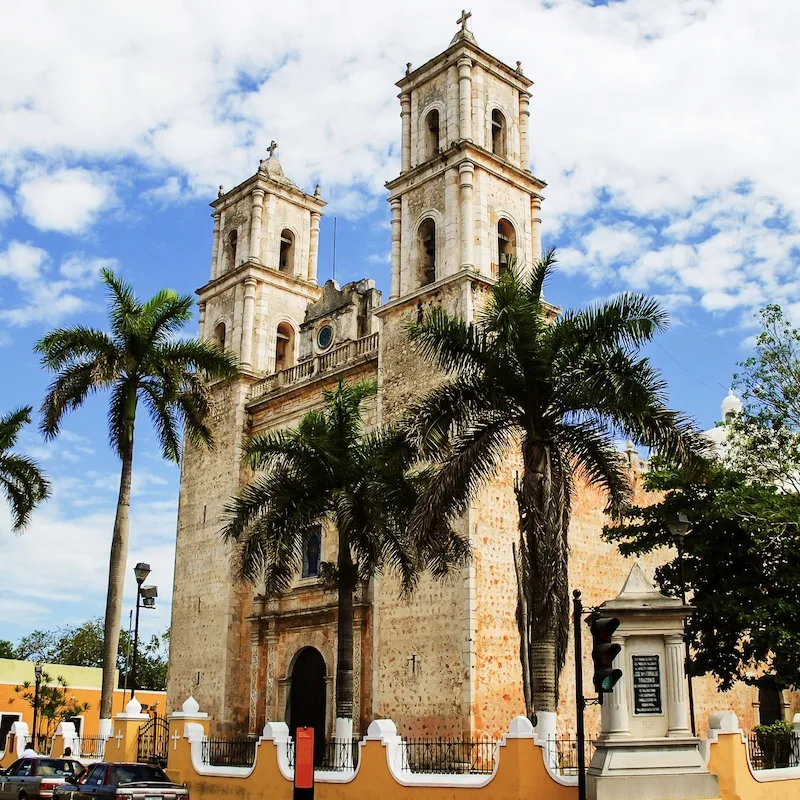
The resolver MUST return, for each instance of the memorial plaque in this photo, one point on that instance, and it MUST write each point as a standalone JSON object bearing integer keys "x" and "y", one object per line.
{"x": 646, "y": 685}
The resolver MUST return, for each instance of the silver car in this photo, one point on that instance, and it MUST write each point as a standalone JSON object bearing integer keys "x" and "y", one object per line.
{"x": 32, "y": 778}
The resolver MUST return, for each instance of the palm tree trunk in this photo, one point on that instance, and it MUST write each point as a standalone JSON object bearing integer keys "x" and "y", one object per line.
{"x": 523, "y": 627}
{"x": 544, "y": 501}
{"x": 116, "y": 569}
{"x": 344, "y": 643}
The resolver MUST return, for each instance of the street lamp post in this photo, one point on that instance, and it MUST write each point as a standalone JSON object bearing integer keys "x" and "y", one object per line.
{"x": 678, "y": 525}
{"x": 145, "y": 597}
{"x": 37, "y": 671}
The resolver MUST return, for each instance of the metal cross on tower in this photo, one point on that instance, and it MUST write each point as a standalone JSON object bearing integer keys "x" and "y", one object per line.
{"x": 273, "y": 146}
{"x": 462, "y": 20}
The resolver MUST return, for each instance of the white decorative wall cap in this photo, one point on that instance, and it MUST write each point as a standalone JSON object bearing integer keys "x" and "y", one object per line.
{"x": 133, "y": 707}
{"x": 520, "y": 728}
{"x": 277, "y": 732}
{"x": 724, "y": 721}
{"x": 382, "y": 730}
{"x": 66, "y": 730}
{"x": 190, "y": 709}
{"x": 20, "y": 729}
{"x": 190, "y": 705}
{"x": 193, "y": 731}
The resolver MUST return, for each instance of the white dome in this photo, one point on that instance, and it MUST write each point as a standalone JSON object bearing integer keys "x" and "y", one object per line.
{"x": 731, "y": 405}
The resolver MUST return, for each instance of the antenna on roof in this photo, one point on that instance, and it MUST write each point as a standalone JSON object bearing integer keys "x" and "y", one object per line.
{"x": 334, "y": 249}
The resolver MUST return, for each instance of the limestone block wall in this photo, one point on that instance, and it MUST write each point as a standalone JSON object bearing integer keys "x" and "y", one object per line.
{"x": 423, "y": 661}
{"x": 205, "y": 653}
{"x": 489, "y": 93}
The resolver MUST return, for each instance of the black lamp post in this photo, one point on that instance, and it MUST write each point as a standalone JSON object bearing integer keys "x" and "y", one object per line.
{"x": 678, "y": 525}
{"x": 37, "y": 671}
{"x": 145, "y": 596}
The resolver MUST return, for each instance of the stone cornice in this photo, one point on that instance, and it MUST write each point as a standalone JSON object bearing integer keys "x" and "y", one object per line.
{"x": 464, "y": 47}
{"x": 269, "y": 186}
{"x": 262, "y": 273}
{"x": 455, "y": 154}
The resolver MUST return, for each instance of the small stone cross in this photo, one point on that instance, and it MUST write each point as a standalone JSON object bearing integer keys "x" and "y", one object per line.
{"x": 273, "y": 146}
{"x": 176, "y": 737}
{"x": 119, "y": 737}
{"x": 462, "y": 20}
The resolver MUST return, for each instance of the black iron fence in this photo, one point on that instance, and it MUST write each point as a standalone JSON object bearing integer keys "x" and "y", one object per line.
{"x": 336, "y": 756}
{"x": 91, "y": 747}
{"x": 563, "y": 754}
{"x": 450, "y": 756}
{"x": 237, "y": 751}
{"x": 770, "y": 750}
{"x": 153, "y": 742}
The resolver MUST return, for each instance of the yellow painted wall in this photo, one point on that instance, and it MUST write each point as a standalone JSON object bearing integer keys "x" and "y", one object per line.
{"x": 84, "y": 685}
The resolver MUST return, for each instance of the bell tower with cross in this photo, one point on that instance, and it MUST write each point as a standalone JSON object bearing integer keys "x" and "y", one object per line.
{"x": 465, "y": 207}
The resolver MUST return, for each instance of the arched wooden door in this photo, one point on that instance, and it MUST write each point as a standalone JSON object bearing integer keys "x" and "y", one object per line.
{"x": 307, "y": 698}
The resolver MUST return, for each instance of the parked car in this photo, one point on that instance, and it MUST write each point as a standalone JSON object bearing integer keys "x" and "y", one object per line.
{"x": 121, "y": 781}
{"x": 32, "y": 778}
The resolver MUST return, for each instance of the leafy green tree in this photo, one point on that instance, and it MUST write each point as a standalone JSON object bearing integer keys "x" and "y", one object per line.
{"x": 742, "y": 567}
{"x": 141, "y": 360}
{"x": 7, "y": 649}
{"x": 558, "y": 390}
{"x": 329, "y": 470}
{"x": 21, "y": 480}
{"x": 765, "y": 440}
{"x": 82, "y": 646}
{"x": 54, "y": 703}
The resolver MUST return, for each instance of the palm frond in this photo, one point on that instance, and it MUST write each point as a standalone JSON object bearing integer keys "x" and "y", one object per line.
{"x": 449, "y": 342}
{"x": 24, "y": 486}
{"x": 67, "y": 346}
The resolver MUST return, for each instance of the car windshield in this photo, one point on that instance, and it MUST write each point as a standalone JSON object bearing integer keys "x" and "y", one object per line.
{"x": 137, "y": 773}
{"x": 60, "y": 768}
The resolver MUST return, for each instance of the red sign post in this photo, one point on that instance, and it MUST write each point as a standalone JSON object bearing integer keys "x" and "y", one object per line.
{"x": 304, "y": 764}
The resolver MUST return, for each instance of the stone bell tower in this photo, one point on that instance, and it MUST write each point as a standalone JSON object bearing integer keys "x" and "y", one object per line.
{"x": 465, "y": 198}
{"x": 464, "y": 205}
{"x": 263, "y": 277}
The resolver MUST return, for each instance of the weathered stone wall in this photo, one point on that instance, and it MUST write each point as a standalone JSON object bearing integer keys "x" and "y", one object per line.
{"x": 205, "y": 604}
{"x": 489, "y": 92}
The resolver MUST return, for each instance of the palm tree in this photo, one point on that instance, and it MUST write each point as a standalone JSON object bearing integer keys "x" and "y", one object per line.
{"x": 141, "y": 360}
{"x": 365, "y": 485}
{"x": 558, "y": 390}
{"x": 21, "y": 481}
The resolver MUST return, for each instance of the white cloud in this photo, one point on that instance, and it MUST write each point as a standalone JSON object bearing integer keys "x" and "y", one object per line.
{"x": 22, "y": 262}
{"x": 658, "y": 109}
{"x": 68, "y": 200}
{"x": 43, "y": 298}
{"x": 6, "y": 207}
{"x": 61, "y": 544}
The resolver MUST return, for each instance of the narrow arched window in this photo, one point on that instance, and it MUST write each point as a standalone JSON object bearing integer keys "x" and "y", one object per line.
{"x": 432, "y": 134}
{"x": 427, "y": 252}
{"x": 286, "y": 260}
{"x": 498, "y": 133}
{"x": 506, "y": 246}
{"x": 219, "y": 334}
{"x": 284, "y": 347}
{"x": 233, "y": 242}
{"x": 312, "y": 553}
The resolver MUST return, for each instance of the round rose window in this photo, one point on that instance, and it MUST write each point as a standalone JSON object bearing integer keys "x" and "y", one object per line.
{"x": 325, "y": 337}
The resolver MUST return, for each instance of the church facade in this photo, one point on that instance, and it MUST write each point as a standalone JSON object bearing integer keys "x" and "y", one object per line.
{"x": 444, "y": 663}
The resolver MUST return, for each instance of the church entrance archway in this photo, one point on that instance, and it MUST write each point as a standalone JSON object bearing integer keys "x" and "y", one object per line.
{"x": 307, "y": 698}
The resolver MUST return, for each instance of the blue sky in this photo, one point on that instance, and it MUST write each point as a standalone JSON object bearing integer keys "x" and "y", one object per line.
{"x": 666, "y": 132}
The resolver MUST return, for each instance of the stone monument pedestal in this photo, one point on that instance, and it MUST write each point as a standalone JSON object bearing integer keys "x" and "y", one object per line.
{"x": 646, "y": 750}
{"x": 650, "y": 769}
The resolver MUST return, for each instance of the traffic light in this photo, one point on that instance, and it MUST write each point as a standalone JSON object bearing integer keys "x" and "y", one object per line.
{"x": 604, "y": 653}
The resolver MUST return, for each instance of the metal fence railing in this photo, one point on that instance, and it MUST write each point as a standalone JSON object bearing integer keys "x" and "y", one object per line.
{"x": 337, "y": 755}
{"x": 451, "y": 756}
{"x": 768, "y": 750}
{"x": 563, "y": 754}
{"x": 237, "y": 751}
{"x": 91, "y": 747}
